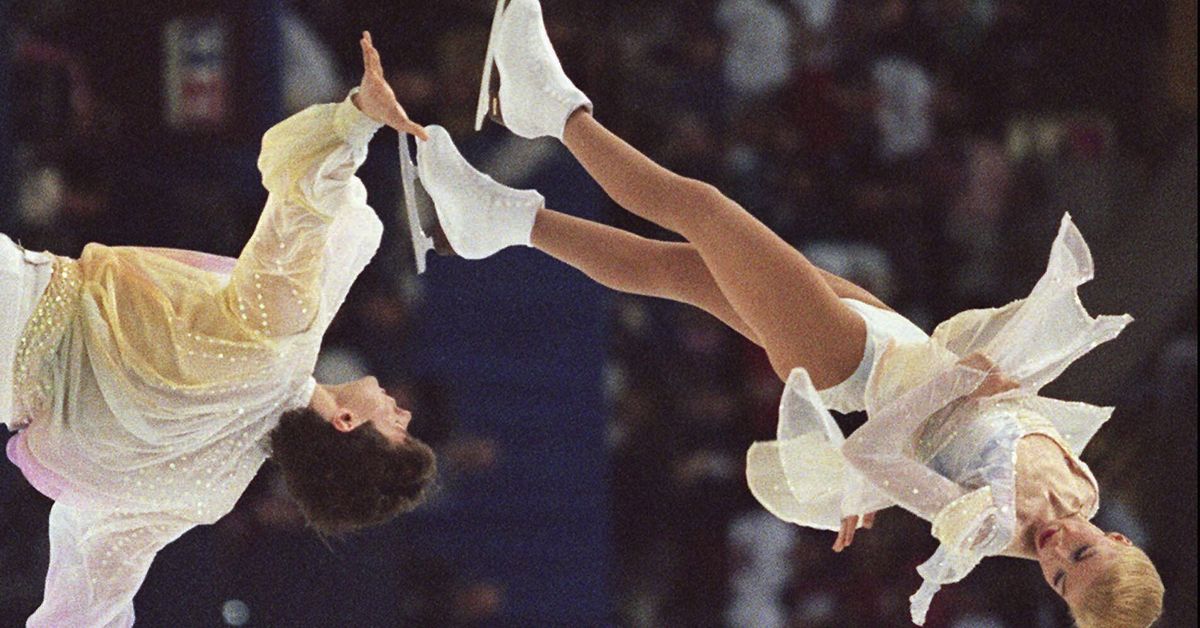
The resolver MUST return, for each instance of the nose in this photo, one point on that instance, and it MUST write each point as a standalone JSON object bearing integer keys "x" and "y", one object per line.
{"x": 1060, "y": 547}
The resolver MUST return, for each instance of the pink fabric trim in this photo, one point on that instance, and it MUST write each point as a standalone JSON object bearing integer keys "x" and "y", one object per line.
{"x": 195, "y": 259}
{"x": 44, "y": 480}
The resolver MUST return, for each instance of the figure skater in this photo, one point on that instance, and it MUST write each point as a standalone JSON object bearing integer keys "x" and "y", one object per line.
{"x": 149, "y": 385}
{"x": 957, "y": 433}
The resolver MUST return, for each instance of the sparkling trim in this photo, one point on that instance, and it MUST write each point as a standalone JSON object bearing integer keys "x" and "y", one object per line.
{"x": 33, "y": 372}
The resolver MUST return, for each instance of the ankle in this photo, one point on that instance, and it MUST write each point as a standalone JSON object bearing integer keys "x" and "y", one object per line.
{"x": 575, "y": 123}
{"x": 539, "y": 234}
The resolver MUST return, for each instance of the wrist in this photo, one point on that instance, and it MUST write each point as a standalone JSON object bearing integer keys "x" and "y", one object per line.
{"x": 352, "y": 124}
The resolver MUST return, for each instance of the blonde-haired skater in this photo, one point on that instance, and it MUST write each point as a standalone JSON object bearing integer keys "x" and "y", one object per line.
{"x": 957, "y": 433}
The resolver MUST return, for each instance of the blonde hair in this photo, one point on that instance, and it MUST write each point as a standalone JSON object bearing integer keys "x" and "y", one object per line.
{"x": 1128, "y": 595}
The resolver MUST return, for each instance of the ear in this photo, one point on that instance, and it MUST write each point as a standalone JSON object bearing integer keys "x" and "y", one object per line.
{"x": 1120, "y": 538}
{"x": 343, "y": 421}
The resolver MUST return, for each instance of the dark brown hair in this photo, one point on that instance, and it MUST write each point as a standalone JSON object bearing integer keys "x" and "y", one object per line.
{"x": 346, "y": 481}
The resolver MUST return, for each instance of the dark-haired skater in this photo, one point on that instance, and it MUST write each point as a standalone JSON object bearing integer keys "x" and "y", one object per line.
{"x": 148, "y": 385}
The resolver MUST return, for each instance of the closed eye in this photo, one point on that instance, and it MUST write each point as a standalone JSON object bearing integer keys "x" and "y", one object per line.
{"x": 1058, "y": 577}
{"x": 1079, "y": 554}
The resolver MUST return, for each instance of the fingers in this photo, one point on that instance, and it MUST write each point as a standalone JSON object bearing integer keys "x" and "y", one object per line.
{"x": 846, "y": 534}
{"x": 849, "y": 526}
{"x": 371, "y": 59}
{"x": 374, "y": 81}
{"x": 412, "y": 128}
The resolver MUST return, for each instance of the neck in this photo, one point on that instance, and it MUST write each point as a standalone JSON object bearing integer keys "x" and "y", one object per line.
{"x": 323, "y": 402}
{"x": 1047, "y": 490}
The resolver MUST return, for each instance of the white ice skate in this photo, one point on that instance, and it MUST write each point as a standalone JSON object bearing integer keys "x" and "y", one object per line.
{"x": 530, "y": 94}
{"x": 477, "y": 215}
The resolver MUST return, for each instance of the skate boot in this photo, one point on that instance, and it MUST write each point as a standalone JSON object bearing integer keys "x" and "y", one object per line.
{"x": 477, "y": 215}
{"x": 529, "y": 93}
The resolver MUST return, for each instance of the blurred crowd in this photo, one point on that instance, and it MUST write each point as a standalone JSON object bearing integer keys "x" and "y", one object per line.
{"x": 924, "y": 149}
{"x": 914, "y": 147}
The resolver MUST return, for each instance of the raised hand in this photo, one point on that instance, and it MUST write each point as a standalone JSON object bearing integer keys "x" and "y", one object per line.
{"x": 376, "y": 98}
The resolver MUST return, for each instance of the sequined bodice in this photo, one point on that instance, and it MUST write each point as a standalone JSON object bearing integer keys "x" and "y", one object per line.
{"x": 975, "y": 448}
{"x": 33, "y": 365}
{"x": 960, "y": 445}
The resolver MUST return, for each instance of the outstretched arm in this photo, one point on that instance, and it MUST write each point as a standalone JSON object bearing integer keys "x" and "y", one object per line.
{"x": 308, "y": 163}
{"x": 882, "y": 448}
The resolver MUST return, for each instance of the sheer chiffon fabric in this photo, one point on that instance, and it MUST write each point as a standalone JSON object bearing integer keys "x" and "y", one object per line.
{"x": 174, "y": 366}
{"x": 928, "y": 446}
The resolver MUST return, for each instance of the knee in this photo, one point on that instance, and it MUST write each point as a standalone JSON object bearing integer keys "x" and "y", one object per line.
{"x": 701, "y": 205}
{"x": 697, "y": 193}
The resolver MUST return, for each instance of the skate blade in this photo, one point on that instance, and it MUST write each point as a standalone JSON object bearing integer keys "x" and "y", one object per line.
{"x": 490, "y": 76}
{"x": 422, "y": 243}
{"x": 431, "y": 225}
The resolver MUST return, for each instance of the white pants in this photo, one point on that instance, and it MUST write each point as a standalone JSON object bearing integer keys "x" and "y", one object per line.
{"x": 24, "y": 276}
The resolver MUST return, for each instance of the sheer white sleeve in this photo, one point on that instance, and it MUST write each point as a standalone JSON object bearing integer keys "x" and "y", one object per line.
{"x": 883, "y": 449}
{"x": 308, "y": 163}
{"x": 98, "y": 561}
{"x": 970, "y": 524}
{"x": 1035, "y": 339}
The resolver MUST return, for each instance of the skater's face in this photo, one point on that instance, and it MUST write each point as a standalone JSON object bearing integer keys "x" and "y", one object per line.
{"x": 367, "y": 402}
{"x": 1073, "y": 552}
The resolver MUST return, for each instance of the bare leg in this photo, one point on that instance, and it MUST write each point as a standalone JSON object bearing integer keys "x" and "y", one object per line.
{"x": 847, "y": 289}
{"x": 779, "y": 294}
{"x": 630, "y": 263}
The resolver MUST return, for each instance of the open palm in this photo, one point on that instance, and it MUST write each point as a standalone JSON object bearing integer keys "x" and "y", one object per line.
{"x": 376, "y": 98}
